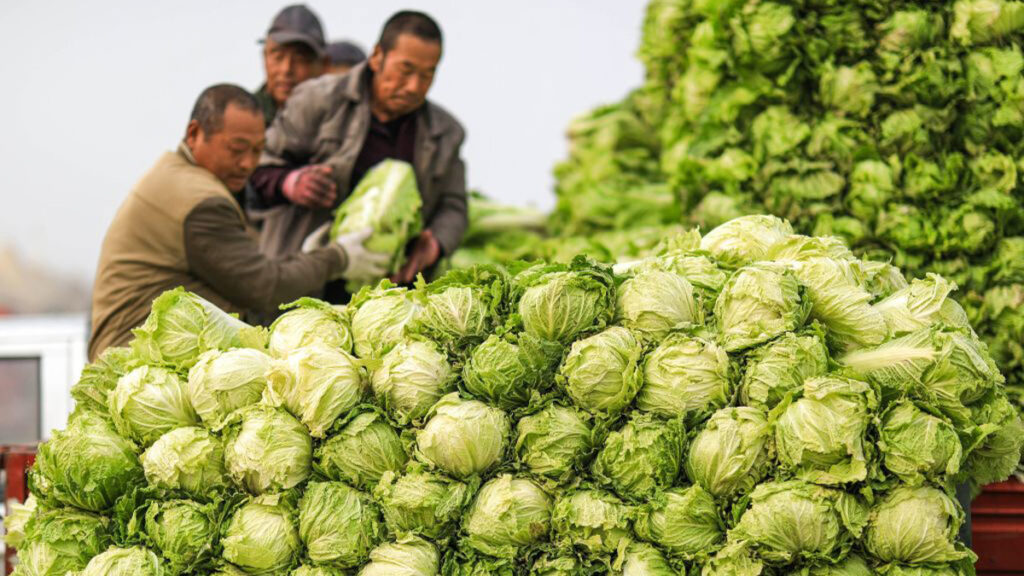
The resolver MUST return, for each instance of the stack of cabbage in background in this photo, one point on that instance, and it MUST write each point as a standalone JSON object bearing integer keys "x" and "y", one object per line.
{"x": 750, "y": 402}
{"x": 898, "y": 126}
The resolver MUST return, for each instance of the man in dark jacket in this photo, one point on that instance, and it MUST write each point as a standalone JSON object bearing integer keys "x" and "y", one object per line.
{"x": 294, "y": 51}
{"x": 181, "y": 226}
{"x": 335, "y": 128}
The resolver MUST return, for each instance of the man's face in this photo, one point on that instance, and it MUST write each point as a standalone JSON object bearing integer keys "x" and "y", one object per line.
{"x": 233, "y": 152}
{"x": 402, "y": 77}
{"x": 287, "y": 66}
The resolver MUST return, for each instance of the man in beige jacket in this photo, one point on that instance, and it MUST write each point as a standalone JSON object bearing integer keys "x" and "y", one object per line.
{"x": 181, "y": 226}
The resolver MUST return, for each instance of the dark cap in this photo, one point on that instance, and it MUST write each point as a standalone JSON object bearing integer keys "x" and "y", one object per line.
{"x": 345, "y": 53}
{"x": 297, "y": 23}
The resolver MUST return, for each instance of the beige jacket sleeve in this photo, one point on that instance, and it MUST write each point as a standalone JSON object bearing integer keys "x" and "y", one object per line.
{"x": 221, "y": 252}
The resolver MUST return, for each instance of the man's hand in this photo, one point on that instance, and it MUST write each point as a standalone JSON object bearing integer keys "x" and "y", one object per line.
{"x": 310, "y": 186}
{"x": 363, "y": 265}
{"x": 424, "y": 254}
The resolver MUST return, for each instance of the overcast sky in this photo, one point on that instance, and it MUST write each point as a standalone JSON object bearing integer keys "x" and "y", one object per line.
{"x": 94, "y": 91}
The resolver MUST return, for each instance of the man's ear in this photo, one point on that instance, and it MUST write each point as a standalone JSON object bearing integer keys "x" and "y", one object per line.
{"x": 192, "y": 133}
{"x": 376, "y": 59}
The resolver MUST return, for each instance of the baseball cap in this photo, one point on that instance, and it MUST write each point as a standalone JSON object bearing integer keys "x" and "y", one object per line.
{"x": 345, "y": 52}
{"x": 297, "y": 23}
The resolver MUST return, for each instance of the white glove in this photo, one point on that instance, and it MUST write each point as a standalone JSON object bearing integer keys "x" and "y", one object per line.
{"x": 363, "y": 265}
{"x": 318, "y": 239}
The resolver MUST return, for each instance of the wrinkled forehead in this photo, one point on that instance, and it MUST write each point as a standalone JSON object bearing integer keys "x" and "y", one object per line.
{"x": 413, "y": 50}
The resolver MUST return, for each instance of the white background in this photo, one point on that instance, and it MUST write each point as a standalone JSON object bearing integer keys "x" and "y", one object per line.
{"x": 92, "y": 92}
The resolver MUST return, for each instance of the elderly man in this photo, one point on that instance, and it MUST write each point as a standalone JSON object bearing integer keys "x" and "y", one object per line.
{"x": 294, "y": 51}
{"x": 181, "y": 226}
{"x": 335, "y": 128}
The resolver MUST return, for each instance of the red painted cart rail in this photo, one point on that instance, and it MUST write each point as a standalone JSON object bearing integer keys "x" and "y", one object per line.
{"x": 997, "y": 529}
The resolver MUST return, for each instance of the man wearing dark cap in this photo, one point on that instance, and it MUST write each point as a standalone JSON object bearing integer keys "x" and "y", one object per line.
{"x": 294, "y": 51}
{"x": 344, "y": 55}
{"x": 335, "y": 128}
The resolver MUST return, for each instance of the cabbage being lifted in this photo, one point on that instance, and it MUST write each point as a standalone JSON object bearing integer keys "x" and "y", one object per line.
{"x": 387, "y": 201}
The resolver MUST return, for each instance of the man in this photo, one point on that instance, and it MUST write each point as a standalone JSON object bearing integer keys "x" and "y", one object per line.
{"x": 335, "y": 128}
{"x": 294, "y": 51}
{"x": 343, "y": 55}
{"x": 181, "y": 226}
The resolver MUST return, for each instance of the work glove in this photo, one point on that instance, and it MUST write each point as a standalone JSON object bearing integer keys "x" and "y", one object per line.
{"x": 362, "y": 265}
{"x": 310, "y": 186}
{"x": 318, "y": 239}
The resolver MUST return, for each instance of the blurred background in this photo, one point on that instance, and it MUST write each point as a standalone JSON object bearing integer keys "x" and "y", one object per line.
{"x": 96, "y": 91}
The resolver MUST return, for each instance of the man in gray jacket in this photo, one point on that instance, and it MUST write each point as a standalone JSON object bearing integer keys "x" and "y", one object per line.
{"x": 333, "y": 129}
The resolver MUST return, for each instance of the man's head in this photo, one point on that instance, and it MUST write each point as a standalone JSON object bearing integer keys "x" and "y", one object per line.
{"x": 294, "y": 51}
{"x": 404, "y": 62}
{"x": 226, "y": 134}
{"x": 344, "y": 55}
